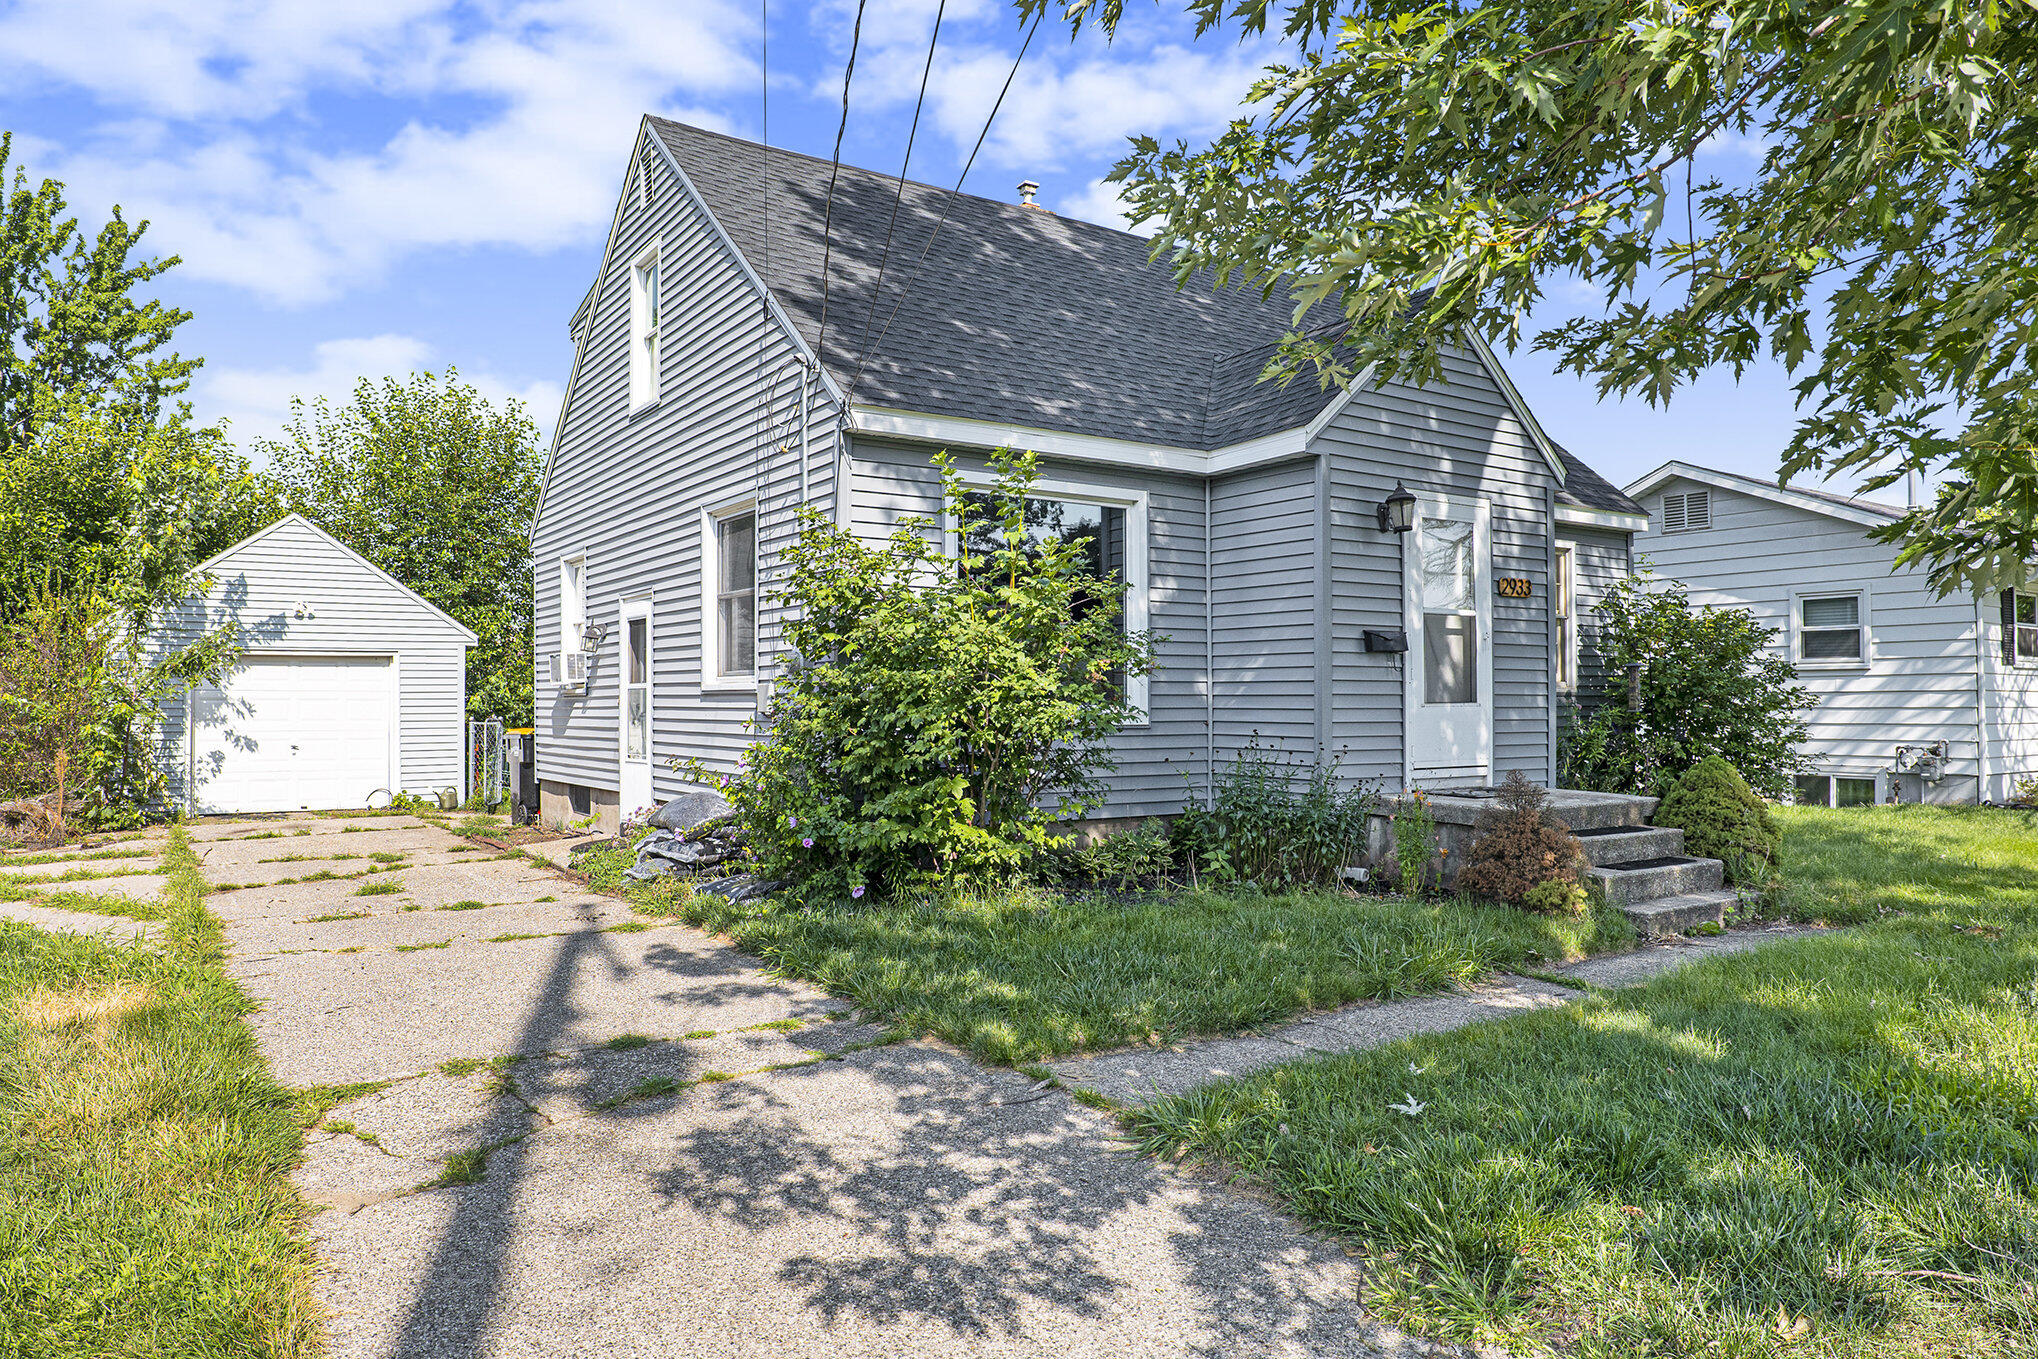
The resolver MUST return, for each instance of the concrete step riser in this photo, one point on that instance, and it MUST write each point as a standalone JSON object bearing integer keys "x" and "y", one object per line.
{"x": 1646, "y": 842}
{"x": 1668, "y": 917}
{"x": 1630, "y": 886}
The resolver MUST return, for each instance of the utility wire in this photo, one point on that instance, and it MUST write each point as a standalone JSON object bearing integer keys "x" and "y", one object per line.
{"x": 949, "y": 203}
{"x": 834, "y": 170}
{"x": 885, "y": 255}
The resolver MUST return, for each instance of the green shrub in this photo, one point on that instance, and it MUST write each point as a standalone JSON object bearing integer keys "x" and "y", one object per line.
{"x": 1415, "y": 844}
{"x": 946, "y": 711}
{"x": 1121, "y": 859}
{"x": 1721, "y": 817}
{"x": 1275, "y": 823}
{"x": 1523, "y": 851}
{"x": 1711, "y": 683}
{"x": 1555, "y": 896}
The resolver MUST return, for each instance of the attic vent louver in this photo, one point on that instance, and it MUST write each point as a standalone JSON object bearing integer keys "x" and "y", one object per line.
{"x": 1687, "y": 510}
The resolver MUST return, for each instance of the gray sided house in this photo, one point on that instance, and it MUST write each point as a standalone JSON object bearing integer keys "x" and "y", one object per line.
{"x": 718, "y": 385}
{"x": 1920, "y": 697}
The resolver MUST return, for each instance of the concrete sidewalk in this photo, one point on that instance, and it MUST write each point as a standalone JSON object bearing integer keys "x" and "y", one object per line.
{"x": 685, "y": 1155}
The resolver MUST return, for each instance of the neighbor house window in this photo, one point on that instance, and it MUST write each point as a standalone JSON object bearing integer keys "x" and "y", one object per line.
{"x": 729, "y": 597}
{"x": 1687, "y": 510}
{"x": 572, "y": 603}
{"x": 644, "y": 329}
{"x": 1567, "y": 641}
{"x": 1829, "y": 630}
{"x": 2020, "y": 619}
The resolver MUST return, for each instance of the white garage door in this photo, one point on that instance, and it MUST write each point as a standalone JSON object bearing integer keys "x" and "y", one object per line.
{"x": 292, "y": 734}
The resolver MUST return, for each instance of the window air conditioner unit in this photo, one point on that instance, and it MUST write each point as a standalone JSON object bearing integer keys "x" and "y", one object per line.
{"x": 570, "y": 670}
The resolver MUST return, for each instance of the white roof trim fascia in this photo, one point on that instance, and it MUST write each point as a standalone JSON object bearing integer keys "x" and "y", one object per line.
{"x": 1514, "y": 398}
{"x": 295, "y": 518}
{"x": 1620, "y": 521}
{"x": 778, "y": 313}
{"x": 919, "y": 428}
{"x": 1734, "y": 481}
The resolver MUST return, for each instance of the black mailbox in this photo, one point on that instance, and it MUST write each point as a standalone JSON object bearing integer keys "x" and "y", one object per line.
{"x": 1386, "y": 639}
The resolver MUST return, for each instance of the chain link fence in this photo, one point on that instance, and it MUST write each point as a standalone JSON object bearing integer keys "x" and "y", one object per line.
{"x": 487, "y": 761}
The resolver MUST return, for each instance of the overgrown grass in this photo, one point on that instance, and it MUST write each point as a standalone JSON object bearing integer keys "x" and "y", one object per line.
{"x": 1023, "y": 974}
{"x": 1828, "y": 1146}
{"x": 144, "y": 1207}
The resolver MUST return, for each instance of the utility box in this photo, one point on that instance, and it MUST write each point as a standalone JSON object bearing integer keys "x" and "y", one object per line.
{"x": 523, "y": 775}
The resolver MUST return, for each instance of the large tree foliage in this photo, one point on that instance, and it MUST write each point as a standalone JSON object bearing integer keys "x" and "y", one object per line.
{"x": 436, "y": 486}
{"x": 1464, "y": 155}
{"x": 73, "y": 336}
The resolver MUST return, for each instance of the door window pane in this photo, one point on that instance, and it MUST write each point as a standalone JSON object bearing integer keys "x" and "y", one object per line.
{"x": 1450, "y": 658}
{"x": 1446, "y": 565}
{"x": 639, "y": 661}
{"x": 637, "y": 731}
{"x": 1854, "y": 792}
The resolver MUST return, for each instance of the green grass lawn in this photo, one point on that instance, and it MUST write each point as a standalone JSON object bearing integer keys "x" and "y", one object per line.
{"x": 1826, "y": 1147}
{"x": 1026, "y": 974}
{"x": 144, "y": 1208}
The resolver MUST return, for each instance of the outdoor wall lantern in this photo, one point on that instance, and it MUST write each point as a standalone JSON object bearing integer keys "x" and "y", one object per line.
{"x": 1397, "y": 511}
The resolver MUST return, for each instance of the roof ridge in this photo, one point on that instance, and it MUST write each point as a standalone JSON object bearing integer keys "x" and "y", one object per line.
{"x": 789, "y": 153}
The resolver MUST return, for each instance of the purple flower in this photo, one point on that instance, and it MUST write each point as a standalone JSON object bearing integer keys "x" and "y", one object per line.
{"x": 807, "y": 843}
{"x": 856, "y": 891}
{"x": 792, "y": 821}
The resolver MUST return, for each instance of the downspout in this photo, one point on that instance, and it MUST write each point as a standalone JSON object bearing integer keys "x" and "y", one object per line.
{"x": 1209, "y": 660}
{"x": 1980, "y": 707}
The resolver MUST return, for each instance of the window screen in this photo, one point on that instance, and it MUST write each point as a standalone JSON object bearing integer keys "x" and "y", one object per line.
{"x": 736, "y": 594}
{"x": 1829, "y": 629}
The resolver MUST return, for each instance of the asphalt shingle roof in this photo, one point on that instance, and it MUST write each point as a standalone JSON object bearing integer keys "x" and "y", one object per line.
{"x": 1012, "y": 314}
{"x": 1588, "y": 490}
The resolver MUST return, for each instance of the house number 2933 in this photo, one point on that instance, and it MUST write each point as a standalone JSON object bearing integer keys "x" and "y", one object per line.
{"x": 1514, "y": 587}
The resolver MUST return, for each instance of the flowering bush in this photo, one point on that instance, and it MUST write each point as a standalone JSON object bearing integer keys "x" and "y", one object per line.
{"x": 943, "y": 711}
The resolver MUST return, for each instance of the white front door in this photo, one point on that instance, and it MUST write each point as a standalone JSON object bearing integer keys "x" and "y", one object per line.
{"x": 1447, "y": 571}
{"x": 294, "y": 733}
{"x": 633, "y": 739}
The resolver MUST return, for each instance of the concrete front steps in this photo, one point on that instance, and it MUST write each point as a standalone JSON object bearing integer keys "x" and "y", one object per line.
{"x": 1640, "y": 868}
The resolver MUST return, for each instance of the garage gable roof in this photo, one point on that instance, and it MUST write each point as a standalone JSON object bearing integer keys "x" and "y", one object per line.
{"x": 295, "y": 520}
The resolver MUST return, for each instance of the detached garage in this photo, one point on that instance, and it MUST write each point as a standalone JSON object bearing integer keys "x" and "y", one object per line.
{"x": 350, "y": 686}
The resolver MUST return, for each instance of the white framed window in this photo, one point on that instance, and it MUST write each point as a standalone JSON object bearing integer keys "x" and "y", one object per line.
{"x": 1836, "y": 790}
{"x": 1832, "y": 629}
{"x": 1563, "y": 601}
{"x": 729, "y": 597}
{"x": 1112, "y": 527}
{"x": 573, "y": 603}
{"x": 2020, "y": 628}
{"x": 1686, "y": 510}
{"x": 644, "y": 302}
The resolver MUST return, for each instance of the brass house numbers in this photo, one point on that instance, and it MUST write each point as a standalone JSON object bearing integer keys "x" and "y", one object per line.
{"x": 1514, "y": 587}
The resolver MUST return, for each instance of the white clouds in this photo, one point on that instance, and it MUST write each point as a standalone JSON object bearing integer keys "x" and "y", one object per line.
{"x": 256, "y": 402}
{"x": 507, "y": 123}
{"x": 1098, "y": 203}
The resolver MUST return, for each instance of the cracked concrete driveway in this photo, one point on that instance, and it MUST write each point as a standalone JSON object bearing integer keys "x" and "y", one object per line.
{"x": 594, "y": 1140}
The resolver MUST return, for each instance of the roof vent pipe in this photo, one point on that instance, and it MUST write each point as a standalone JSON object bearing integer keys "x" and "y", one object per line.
{"x": 1028, "y": 188}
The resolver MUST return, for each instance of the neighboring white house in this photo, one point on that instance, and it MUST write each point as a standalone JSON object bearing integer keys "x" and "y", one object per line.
{"x": 350, "y": 684}
{"x": 1921, "y": 698}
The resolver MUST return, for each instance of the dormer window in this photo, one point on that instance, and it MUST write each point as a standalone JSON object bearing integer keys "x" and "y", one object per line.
{"x": 644, "y": 330}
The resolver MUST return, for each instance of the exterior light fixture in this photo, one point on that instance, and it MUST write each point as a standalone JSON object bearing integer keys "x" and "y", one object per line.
{"x": 1397, "y": 511}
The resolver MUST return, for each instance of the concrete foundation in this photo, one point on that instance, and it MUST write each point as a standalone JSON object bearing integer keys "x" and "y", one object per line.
{"x": 563, "y": 806}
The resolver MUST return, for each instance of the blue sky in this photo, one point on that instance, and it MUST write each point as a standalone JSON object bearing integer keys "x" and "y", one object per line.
{"x": 364, "y": 188}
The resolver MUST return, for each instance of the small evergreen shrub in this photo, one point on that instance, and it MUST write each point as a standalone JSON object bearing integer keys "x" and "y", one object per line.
{"x": 1521, "y": 851}
{"x": 1721, "y": 817}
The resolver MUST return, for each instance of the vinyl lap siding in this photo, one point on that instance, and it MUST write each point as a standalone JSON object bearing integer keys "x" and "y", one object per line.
{"x": 354, "y": 611}
{"x": 1599, "y": 561}
{"x": 2011, "y": 710}
{"x": 1920, "y": 684}
{"x": 628, "y": 489}
{"x": 1461, "y": 439}
{"x": 1263, "y": 610}
{"x": 893, "y": 482}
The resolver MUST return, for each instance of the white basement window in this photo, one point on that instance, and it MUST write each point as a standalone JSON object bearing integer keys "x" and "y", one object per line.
{"x": 1821, "y": 790}
{"x": 1829, "y": 630}
{"x": 729, "y": 598}
{"x": 1687, "y": 510}
{"x": 644, "y": 329}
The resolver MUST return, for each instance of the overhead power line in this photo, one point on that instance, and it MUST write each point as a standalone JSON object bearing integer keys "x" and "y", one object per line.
{"x": 948, "y": 203}
{"x": 834, "y": 170}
